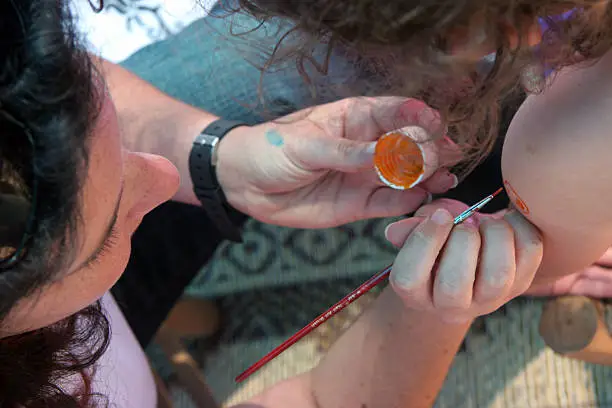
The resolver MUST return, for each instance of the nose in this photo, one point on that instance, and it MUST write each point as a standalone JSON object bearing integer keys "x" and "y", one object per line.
{"x": 150, "y": 180}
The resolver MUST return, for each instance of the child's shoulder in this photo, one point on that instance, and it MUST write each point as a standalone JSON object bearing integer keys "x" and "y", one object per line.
{"x": 557, "y": 157}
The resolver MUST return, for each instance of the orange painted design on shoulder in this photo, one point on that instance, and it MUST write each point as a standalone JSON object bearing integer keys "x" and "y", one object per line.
{"x": 515, "y": 198}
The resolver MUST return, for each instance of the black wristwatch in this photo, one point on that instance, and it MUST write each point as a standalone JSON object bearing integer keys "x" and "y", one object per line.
{"x": 202, "y": 162}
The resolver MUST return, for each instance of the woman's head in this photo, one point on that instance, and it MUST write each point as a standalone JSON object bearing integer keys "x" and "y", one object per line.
{"x": 434, "y": 49}
{"x": 117, "y": 188}
{"x": 90, "y": 195}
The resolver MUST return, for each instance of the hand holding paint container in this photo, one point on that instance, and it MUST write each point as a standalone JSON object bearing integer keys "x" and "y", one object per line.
{"x": 404, "y": 158}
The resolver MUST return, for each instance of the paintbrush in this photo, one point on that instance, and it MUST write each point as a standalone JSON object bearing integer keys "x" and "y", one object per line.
{"x": 348, "y": 299}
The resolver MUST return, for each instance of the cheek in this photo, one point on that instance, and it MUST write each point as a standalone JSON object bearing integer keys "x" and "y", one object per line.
{"x": 100, "y": 277}
{"x": 113, "y": 268}
{"x": 70, "y": 294}
{"x": 94, "y": 281}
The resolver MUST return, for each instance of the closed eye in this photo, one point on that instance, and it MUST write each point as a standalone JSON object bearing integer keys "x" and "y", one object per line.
{"x": 109, "y": 244}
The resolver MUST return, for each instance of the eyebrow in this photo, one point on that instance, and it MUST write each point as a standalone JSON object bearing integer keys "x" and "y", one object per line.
{"x": 107, "y": 233}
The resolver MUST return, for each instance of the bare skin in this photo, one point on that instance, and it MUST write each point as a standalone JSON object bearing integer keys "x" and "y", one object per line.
{"x": 574, "y": 263}
{"x": 556, "y": 157}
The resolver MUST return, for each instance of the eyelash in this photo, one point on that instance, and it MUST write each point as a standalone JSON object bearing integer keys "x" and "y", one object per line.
{"x": 108, "y": 246}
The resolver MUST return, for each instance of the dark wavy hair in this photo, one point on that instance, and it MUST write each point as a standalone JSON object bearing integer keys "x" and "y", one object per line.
{"x": 47, "y": 82}
{"x": 401, "y": 47}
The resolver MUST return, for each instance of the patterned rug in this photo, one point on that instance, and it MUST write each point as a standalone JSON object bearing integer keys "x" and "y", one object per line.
{"x": 274, "y": 256}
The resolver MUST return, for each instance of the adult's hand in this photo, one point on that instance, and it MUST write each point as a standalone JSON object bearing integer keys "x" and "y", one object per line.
{"x": 314, "y": 168}
{"x": 464, "y": 271}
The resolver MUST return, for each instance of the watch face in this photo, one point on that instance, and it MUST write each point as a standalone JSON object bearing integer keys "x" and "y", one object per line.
{"x": 211, "y": 142}
{"x": 213, "y": 153}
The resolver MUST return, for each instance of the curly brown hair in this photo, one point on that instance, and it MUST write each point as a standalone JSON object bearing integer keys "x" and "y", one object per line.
{"x": 403, "y": 48}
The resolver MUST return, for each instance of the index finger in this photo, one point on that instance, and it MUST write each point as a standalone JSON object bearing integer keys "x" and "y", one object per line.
{"x": 391, "y": 113}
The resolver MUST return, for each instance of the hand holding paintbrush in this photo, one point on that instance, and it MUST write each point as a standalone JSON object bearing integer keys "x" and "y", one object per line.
{"x": 479, "y": 265}
{"x": 455, "y": 272}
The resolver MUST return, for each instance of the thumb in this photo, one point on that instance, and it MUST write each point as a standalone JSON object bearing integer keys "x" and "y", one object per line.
{"x": 342, "y": 155}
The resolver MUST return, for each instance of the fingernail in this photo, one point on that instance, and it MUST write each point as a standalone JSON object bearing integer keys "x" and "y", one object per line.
{"x": 455, "y": 180}
{"x": 428, "y": 199}
{"x": 371, "y": 148}
{"x": 387, "y": 232}
{"x": 441, "y": 217}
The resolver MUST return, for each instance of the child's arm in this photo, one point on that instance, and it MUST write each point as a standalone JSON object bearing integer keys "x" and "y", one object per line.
{"x": 557, "y": 160}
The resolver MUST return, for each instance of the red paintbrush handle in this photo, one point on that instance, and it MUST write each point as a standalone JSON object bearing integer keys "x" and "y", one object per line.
{"x": 335, "y": 309}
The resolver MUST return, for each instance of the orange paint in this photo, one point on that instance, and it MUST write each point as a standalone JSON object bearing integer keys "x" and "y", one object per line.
{"x": 515, "y": 198}
{"x": 398, "y": 160}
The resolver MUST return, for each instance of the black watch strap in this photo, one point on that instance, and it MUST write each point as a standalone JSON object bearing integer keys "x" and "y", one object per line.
{"x": 204, "y": 178}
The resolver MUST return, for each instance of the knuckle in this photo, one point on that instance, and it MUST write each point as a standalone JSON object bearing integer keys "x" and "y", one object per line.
{"x": 497, "y": 227}
{"x": 348, "y": 104}
{"x": 402, "y": 283}
{"x": 495, "y": 276}
{"x": 463, "y": 244}
{"x": 344, "y": 149}
{"x": 525, "y": 231}
{"x": 499, "y": 277}
{"x": 422, "y": 236}
{"x": 469, "y": 235}
{"x": 451, "y": 290}
{"x": 409, "y": 296}
{"x": 533, "y": 248}
{"x": 531, "y": 234}
{"x": 452, "y": 293}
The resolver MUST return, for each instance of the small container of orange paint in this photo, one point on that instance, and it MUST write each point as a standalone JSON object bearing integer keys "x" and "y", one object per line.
{"x": 404, "y": 158}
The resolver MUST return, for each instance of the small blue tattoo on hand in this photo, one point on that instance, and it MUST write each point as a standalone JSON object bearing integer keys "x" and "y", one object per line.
{"x": 275, "y": 138}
